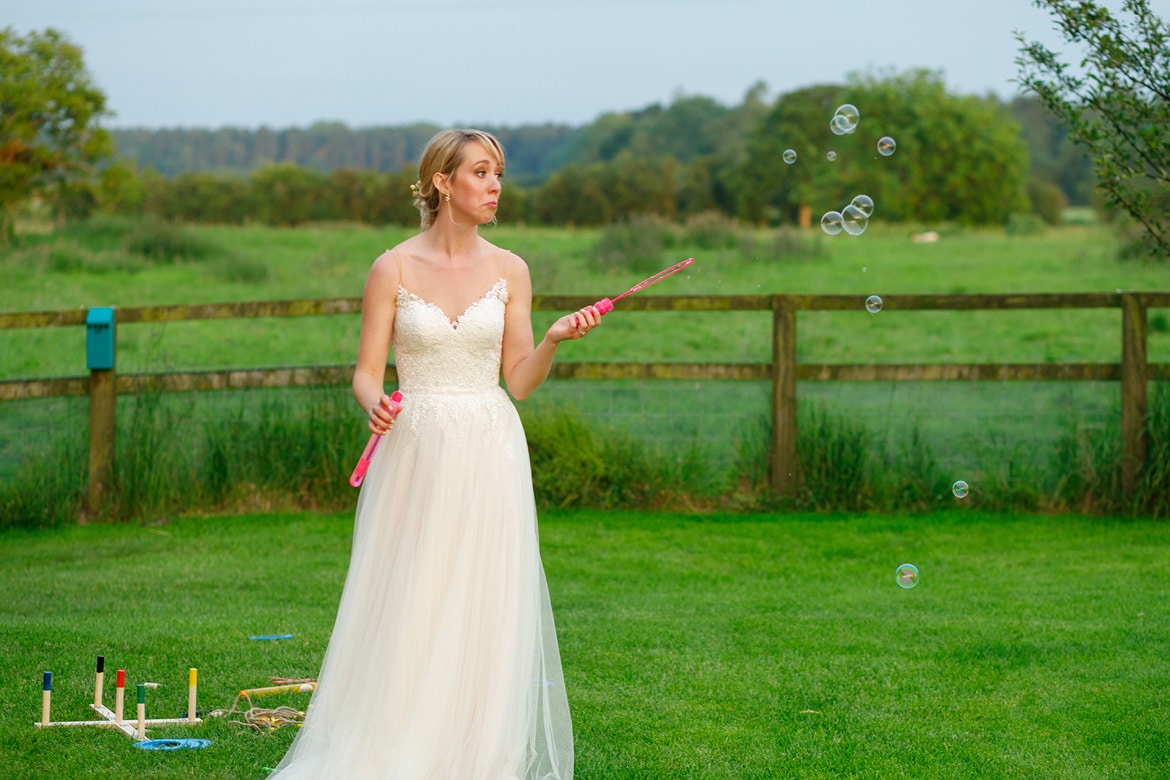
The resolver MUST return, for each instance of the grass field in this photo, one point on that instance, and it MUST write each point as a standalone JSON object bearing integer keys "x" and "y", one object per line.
{"x": 719, "y": 647}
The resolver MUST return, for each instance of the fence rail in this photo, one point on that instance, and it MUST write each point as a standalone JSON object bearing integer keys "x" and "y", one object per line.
{"x": 1134, "y": 371}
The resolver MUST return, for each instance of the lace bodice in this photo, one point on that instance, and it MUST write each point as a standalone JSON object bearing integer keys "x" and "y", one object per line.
{"x": 435, "y": 355}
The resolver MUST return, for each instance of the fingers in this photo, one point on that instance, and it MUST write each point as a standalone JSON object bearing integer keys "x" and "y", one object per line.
{"x": 585, "y": 320}
{"x": 382, "y": 416}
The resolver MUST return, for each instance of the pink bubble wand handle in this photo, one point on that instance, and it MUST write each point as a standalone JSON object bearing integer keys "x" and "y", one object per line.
{"x": 363, "y": 464}
{"x": 605, "y": 305}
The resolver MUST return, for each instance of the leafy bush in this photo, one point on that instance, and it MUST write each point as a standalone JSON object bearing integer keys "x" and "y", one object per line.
{"x": 1020, "y": 224}
{"x": 792, "y": 243}
{"x": 636, "y": 244}
{"x": 710, "y": 230}
{"x": 1047, "y": 200}
{"x": 166, "y": 243}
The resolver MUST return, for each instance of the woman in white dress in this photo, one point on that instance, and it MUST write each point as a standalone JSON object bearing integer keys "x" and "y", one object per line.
{"x": 443, "y": 662}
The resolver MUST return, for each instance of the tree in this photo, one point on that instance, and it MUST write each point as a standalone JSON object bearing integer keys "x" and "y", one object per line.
{"x": 1116, "y": 103}
{"x": 49, "y": 114}
{"x": 959, "y": 158}
{"x": 287, "y": 194}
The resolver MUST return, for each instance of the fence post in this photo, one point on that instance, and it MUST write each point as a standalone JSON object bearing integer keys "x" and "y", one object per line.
{"x": 1135, "y": 383}
{"x": 99, "y": 358}
{"x": 784, "y": 465}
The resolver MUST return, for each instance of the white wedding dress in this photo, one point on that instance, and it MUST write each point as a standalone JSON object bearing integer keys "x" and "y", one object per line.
{"x": 443, "y": 663}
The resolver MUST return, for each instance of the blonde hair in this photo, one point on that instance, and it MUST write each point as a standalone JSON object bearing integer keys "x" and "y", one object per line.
{"x": 443, "y": 154}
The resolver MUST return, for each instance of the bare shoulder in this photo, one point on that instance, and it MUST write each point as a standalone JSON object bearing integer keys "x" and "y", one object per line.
{"x": 511, "y": 266}
{"x": 386, "y": 270}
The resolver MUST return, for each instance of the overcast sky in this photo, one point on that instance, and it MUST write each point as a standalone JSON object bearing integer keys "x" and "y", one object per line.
{"x": 281, "y": 63}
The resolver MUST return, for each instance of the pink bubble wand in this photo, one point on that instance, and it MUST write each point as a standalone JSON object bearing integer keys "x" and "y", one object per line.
{"x": 605, "y": 305}
{"x": 359, "y": 471}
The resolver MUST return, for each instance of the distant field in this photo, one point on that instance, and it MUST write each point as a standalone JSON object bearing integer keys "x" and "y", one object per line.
{"x": 971, "y": 426}
{"x": 332, "y": 262}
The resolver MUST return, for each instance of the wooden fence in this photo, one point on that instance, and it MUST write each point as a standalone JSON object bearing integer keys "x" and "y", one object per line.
{"x": 1133, "y": 371}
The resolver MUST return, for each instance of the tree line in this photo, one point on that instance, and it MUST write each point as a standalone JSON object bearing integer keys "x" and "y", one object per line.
{"x": 959, "y": 158}
{"x": 974, "y": 160}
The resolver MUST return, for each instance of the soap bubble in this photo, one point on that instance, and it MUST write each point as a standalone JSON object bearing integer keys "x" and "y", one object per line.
{"x": 960, "y": 489}
{"x": 865, "y": 203}
{"x": 853, "y": 220}
{"x": 873, "y": 304}
{"x": 886, "y": 146}
{"x": 840, "y": 125}
{"x": 830, "y": 155}
{"x": 789, "y": 156}
{"x": 906, "y": 576}
{"x": 850, "y": 114}
{"x": 831, "y": 222}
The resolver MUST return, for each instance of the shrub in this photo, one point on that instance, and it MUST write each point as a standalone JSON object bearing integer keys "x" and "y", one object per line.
{"x": 1047, "y": 200}
{"x": 166, "y": 243}
{"x": 792, "y": 243}
{"x": 710, "y": 230}
{"x": 1019, "y": 224}
{"x": 637, "y": 243}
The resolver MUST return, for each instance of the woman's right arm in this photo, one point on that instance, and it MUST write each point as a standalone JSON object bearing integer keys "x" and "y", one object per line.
{"x": 378, "y": 309}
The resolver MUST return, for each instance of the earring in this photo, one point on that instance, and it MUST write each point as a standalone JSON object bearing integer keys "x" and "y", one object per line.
{"x": 447, "y": 198}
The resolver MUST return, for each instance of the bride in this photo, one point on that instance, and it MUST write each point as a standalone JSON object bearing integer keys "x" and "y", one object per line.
{"x": 443, "y": 662}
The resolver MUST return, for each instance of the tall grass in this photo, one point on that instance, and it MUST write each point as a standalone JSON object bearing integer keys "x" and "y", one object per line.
{"x": 640, "y": 243}
{"x": 117, "y": 245}
{"x": 274, "y": 450}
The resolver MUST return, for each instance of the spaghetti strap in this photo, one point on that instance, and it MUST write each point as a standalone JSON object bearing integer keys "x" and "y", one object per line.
{"x": 398, "y": 265}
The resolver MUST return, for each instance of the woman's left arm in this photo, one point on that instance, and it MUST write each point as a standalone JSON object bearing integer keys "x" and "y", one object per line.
{"x": 525, "y": 365}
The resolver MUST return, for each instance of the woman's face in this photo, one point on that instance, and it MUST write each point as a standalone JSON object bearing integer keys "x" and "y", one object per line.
{"x": 475, "y": 186}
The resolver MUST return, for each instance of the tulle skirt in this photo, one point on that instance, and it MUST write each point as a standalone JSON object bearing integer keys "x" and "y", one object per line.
{"x": 443, "y": 663}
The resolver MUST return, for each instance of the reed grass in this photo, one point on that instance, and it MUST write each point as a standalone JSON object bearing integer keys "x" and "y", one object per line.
{"x": 186, "y": 453}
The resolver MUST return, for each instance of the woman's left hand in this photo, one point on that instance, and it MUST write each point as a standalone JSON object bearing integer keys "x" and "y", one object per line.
{"x": 575, "y": 325}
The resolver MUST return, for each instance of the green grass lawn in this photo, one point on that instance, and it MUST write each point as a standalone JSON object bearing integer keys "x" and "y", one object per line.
{"x": 694, "y": 647}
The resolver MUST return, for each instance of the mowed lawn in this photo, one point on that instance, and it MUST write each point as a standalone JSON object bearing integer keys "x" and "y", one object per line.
{"x": 760, "y": 646}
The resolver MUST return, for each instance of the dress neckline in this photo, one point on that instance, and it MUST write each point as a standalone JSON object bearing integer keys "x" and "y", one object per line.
{"x": 500, "y": 284}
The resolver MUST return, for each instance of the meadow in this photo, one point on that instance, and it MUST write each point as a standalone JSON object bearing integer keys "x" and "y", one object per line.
{"x": 718, "y": 647}
{"x": 1027, "y": 445}
{"x": 102, "y": 264}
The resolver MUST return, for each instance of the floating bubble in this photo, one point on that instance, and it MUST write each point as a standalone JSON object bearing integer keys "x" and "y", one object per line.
{"x": 831, "y": 156}
{"x": 906, "y": 576}
{"x": 873, "y": 304}
{"x": 960, "y": 489}
{"x": 840, "y": 125}
{"x": 789, "y": 156}
{"x": 886, "y": 146}
{"x": 831, "y": 222}
{"x": 850, "y": 113}
{"x": 865, "y": 203}
{"x": 853, "y": 220}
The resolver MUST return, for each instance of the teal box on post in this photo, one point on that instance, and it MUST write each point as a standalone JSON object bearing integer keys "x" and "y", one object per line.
{"x": 99, "y": 338}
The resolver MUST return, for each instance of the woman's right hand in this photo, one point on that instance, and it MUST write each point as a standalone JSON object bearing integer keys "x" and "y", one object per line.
{"x": 382, "y": 415}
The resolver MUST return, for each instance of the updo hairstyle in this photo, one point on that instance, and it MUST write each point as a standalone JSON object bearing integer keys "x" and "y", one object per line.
{"x": 443, "y": 154}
